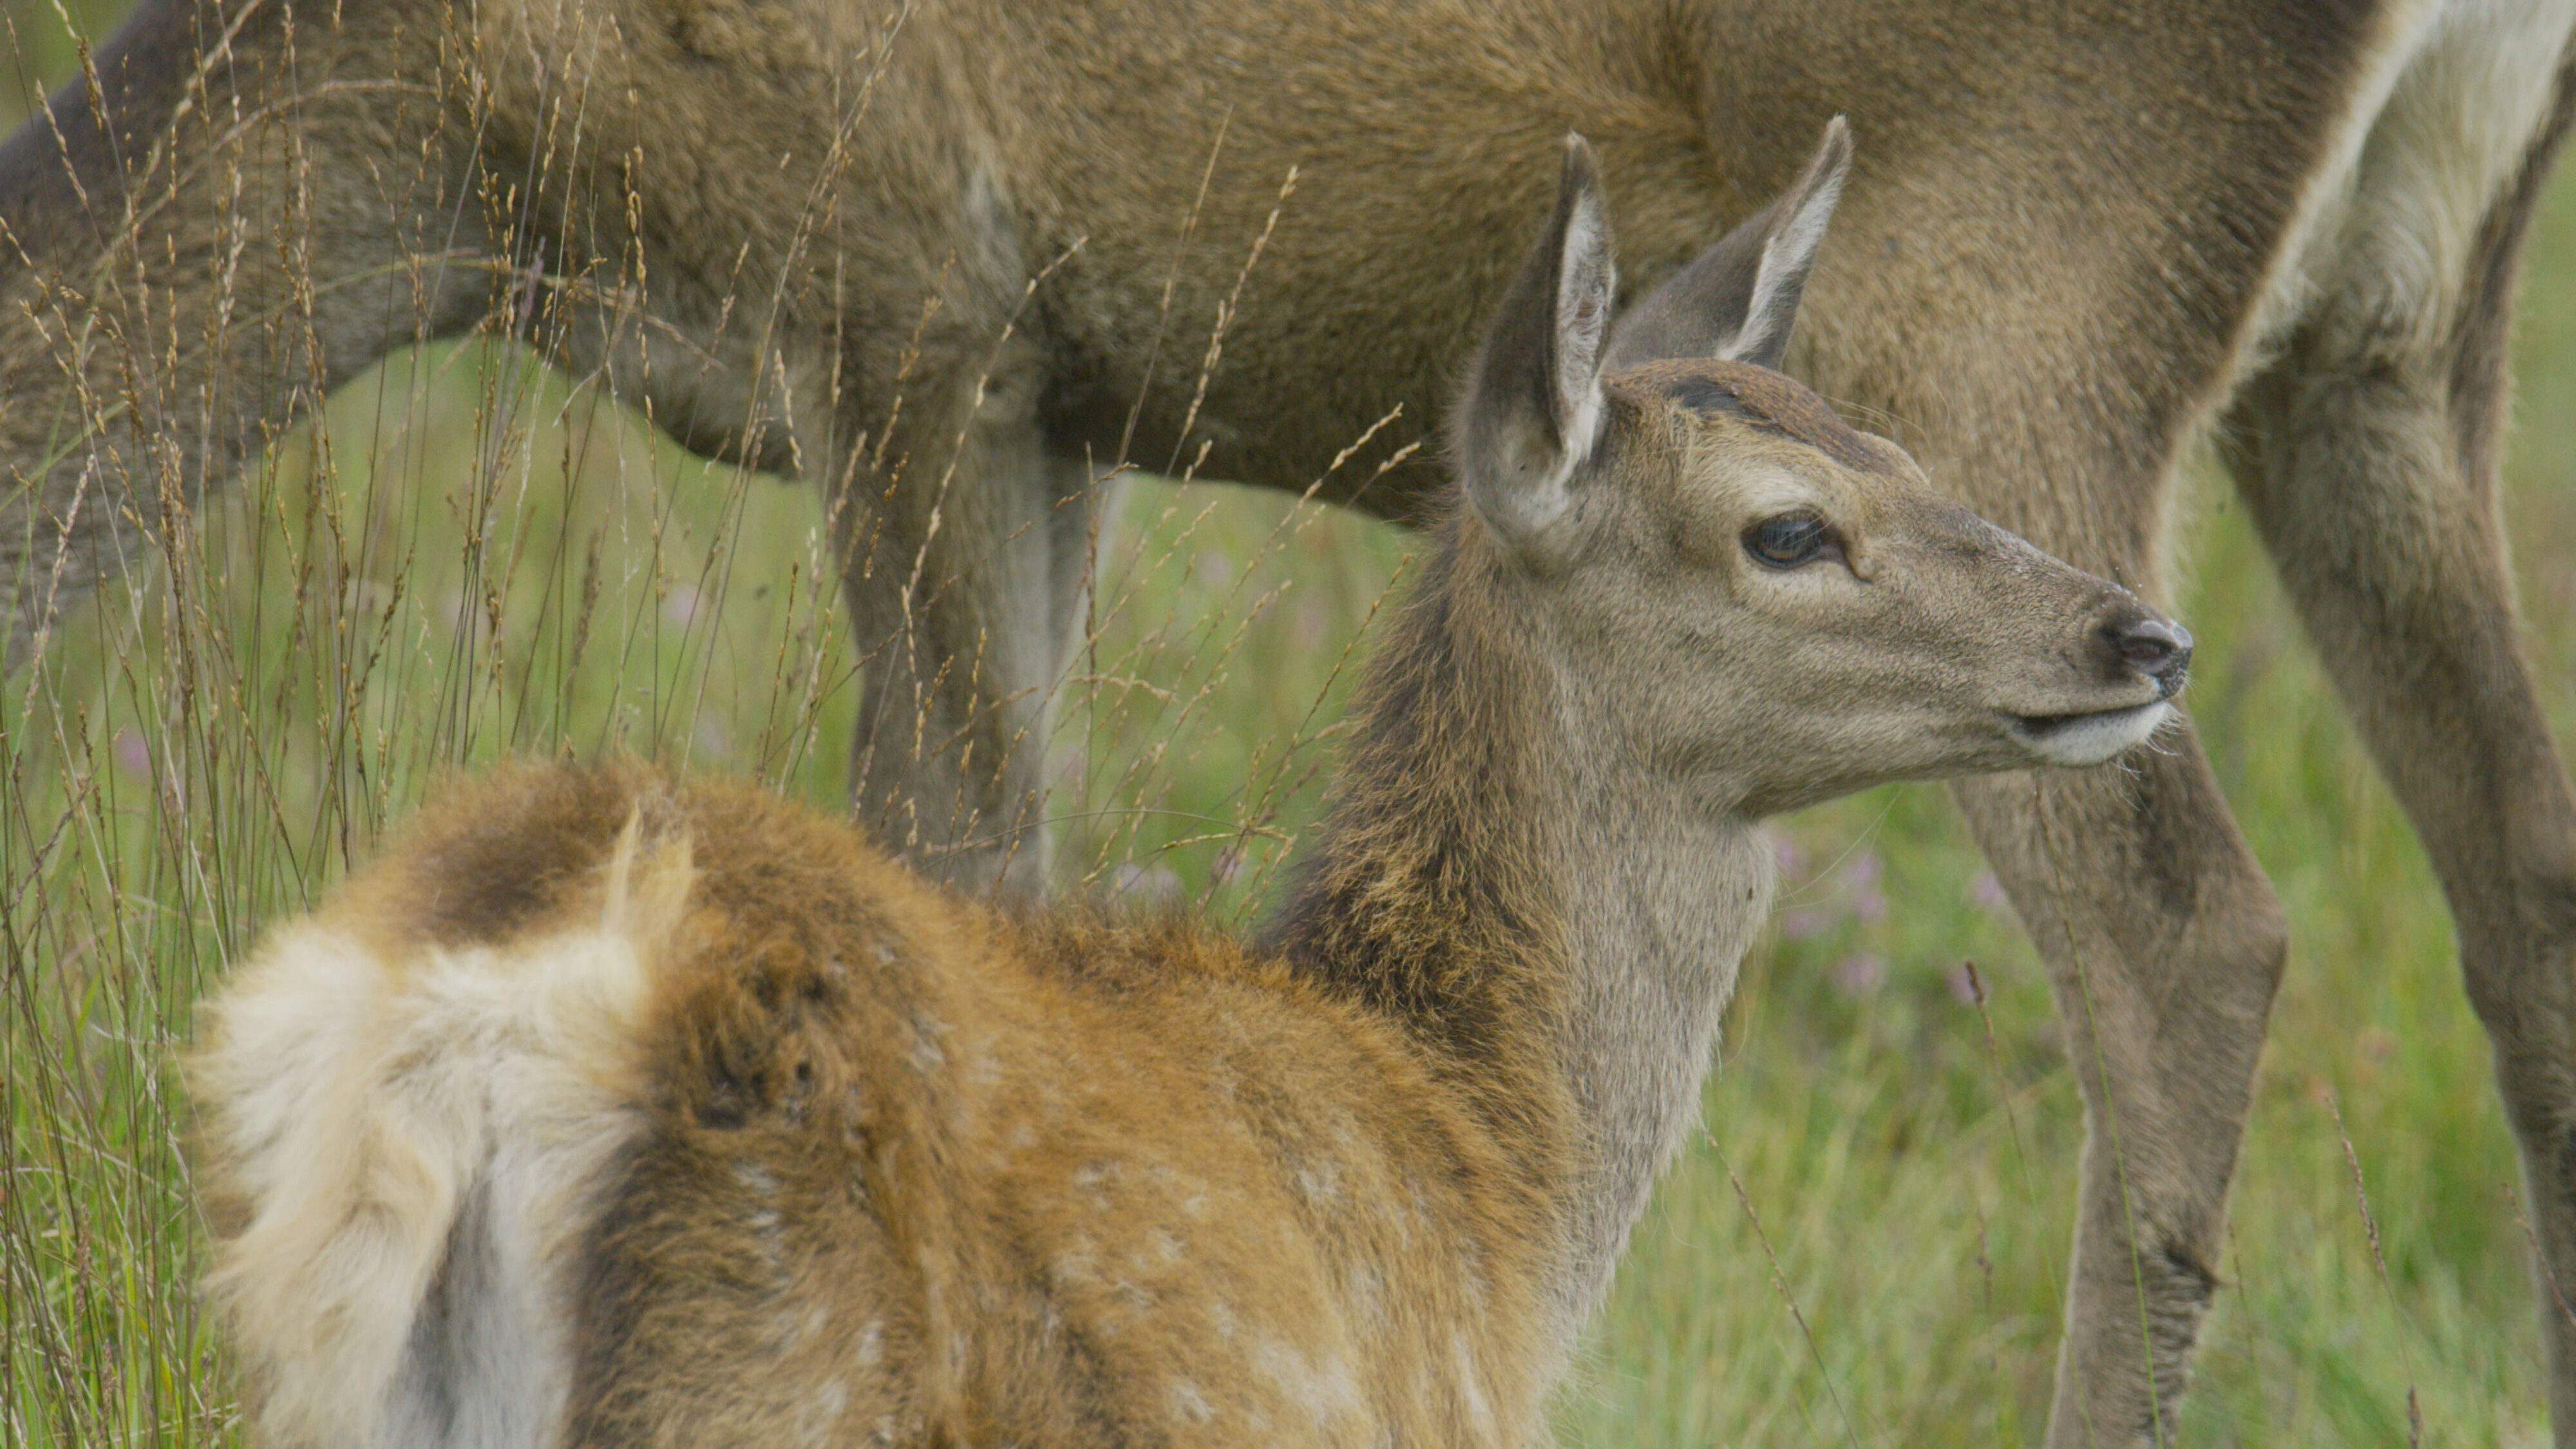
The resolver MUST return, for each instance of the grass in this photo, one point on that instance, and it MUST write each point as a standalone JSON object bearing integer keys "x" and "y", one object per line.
{"x": 465, "y": 557}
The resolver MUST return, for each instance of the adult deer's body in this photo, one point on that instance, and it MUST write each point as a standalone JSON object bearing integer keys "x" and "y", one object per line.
{"x": 608, "y": 1110}
{"x": 951, "y": 265}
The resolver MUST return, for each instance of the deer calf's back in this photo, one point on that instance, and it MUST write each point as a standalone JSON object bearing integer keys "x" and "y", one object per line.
{"x": 826, "y": 1153}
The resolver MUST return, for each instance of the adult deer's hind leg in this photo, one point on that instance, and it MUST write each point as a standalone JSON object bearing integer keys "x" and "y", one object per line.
{"x": 2164, "y": 945}
{"x": 2366, "y": 456}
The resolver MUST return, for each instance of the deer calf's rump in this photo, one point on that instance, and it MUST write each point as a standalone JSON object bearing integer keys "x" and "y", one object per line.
{"x": 613, "y": 1107}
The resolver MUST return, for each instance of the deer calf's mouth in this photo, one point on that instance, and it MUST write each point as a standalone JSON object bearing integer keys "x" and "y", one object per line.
{"x": 2090, "y": 737}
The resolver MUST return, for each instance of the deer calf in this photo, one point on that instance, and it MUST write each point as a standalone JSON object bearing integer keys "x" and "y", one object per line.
{"x": 612, "y": 1108}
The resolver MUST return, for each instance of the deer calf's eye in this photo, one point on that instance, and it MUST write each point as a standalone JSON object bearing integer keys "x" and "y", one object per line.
{"x": 1791, "y": 539}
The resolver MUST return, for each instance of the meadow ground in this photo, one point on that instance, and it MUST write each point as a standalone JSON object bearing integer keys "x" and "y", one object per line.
{"x": 467, "y": 556}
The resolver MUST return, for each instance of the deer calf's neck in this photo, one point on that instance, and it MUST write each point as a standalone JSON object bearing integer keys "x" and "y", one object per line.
{"x": 1558, "y": 932}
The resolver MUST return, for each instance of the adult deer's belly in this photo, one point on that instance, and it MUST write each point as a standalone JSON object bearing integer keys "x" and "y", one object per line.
{"x": 2437, "y": 133}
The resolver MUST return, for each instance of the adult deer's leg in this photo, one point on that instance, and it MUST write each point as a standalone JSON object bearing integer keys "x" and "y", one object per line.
{"x": 2164, "y": 944}
{"x": 2367, "y": 458}
{"x": 965, "y": 552}
{"x": 252, "y": 204}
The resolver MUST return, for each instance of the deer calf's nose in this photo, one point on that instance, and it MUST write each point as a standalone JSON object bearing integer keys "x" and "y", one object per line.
{"x": 2157, "y": 648}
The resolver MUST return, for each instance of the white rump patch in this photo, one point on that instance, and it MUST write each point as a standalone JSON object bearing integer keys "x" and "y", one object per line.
{"x": 415, "y": 1141}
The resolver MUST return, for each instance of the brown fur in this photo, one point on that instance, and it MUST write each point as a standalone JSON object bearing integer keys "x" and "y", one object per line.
{"x": 1175, "y": 1209}
{"x": 986, "y": 1172}
{"x": 2078, "y": 235}
{"x": 1045, "y": 1181}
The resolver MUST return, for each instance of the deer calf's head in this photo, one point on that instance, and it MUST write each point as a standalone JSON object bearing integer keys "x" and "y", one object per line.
{"x": 1764, "y": 605}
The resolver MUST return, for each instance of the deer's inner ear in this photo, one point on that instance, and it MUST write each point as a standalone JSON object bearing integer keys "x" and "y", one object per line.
{"x": 1534, "y": 412}
{"x": 1738, "y": 299}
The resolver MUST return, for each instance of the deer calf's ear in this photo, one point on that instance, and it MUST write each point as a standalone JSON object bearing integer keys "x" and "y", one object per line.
{"x": 1738, "y": 299}
{"x": 1534, "y": 408}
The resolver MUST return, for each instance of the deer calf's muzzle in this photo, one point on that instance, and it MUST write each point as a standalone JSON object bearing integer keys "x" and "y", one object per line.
{"x": 2137, "y": 660}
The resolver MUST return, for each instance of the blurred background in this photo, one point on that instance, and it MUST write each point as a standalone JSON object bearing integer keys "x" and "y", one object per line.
{"x": 465, "y": 557}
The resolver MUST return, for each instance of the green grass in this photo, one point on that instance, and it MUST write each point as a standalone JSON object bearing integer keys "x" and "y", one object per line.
{"x": 464, "y": 558}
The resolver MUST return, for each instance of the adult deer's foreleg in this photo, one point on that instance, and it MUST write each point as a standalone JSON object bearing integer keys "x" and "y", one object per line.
{"x": 2164, "y": 945}
{"x": 241, "y": 213}
{"x": 965, "y": 561}
{"x": 2367, "y": 458}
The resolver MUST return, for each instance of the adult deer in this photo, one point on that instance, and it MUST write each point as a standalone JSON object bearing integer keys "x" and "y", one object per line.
{"x": 609, "y": 1109}
{"x": 954, "y": 265}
